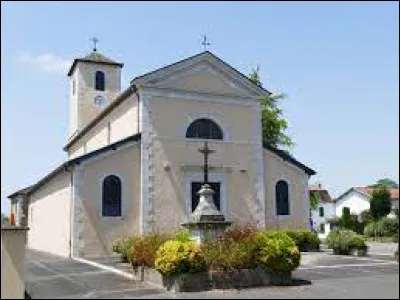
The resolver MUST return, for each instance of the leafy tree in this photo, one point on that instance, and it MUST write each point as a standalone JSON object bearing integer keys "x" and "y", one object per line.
{"x": 386, "y": 182}
{"x": 272, "y": 121}
{"x": 314, "y": 199}
{"x": 380, "y": 204}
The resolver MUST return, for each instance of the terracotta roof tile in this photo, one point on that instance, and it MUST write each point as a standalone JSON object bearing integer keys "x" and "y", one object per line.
{"x": 322, "y": 192}
{"x": 394, "y": 192}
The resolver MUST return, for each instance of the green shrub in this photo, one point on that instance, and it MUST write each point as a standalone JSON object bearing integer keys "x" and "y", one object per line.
{"x": 175, "y": 258}
{"x": 382, "y": 228}
{"x": 357, "y": 242}
{"x": 123, "y": 246}
{"x": 304, "y": 239}
{"x": 229, "y": 252}
{"x": 144, "y": 248}
{"x": 395, "y": 237}
{"x": 238, "y": 233}
{"x": 277, "y": 252}
{"x": 334, "y": 221}
{"x": 388, "y": 226}
{"x": 344, "y": 240}
{"x": 371, "y": 229}
{"x": 182, "y": 236}
{"x": 117, "y": 244}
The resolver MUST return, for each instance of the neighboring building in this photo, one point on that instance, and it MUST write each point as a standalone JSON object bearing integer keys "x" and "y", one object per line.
{"x": 133, "y": 163}
{"x": 357, "y": 199}
{"x": 324, "y": 211}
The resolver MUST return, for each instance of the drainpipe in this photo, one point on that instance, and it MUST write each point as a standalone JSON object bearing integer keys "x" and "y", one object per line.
{"x": 69, "y": 170}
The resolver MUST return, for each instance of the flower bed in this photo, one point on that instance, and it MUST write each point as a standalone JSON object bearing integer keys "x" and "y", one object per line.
{"x": 241, "y": 257}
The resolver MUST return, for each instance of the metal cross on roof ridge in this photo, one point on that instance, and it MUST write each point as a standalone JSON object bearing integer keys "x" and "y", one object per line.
{"x": 95, "y": 40}
{"x": 205, "y": 43}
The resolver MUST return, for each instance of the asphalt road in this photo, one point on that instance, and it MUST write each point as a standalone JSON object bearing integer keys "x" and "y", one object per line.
{"x": 331, "y": 276}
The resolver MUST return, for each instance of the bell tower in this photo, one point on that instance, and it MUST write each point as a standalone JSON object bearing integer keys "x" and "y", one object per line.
{"x": 94, "y": 82}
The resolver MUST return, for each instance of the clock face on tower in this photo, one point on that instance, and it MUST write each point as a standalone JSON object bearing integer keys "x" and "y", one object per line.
{"x": 99, "y": 101}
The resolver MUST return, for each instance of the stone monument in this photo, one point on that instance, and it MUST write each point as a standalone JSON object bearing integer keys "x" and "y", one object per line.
{"x": 206, "y": 220}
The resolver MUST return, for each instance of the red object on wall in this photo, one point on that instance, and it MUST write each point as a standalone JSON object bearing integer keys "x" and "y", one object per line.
{"x": 12, "y": 219}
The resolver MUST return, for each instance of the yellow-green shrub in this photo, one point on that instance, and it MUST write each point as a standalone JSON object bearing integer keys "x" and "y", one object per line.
{"x": 175, "y": 257}
{"x": 277, "y": 252}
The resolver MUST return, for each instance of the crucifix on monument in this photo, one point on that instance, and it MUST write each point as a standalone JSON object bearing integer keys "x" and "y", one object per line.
{"x": 206, "y": 220}
{"x": 206, "y": 151}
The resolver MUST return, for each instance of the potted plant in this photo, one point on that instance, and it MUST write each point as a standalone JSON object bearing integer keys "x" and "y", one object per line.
{"x": 358, "y": 245}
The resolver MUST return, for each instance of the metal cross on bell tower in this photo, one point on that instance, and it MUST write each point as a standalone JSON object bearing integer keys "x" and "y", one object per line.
{"x": 206, "y": 151}
{"x": 205, "y": 43}
{"x": 95, "y": 40}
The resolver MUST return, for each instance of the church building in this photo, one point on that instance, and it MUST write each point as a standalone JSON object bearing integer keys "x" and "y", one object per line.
{"x": 133, "y": 163}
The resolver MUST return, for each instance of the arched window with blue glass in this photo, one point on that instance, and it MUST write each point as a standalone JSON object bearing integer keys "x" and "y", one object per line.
{"x": 112, "y": 194}
{"x": 204, "y": 129}
{"x": 99, "y": 81}
{"x": 282, "y": 198}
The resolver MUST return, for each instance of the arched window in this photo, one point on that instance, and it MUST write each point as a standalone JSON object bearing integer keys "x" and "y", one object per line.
{"x": 282, "y": 198}
{"x": 204, "y": 129}
{"x": 112, "y": 196}
{"x": 99, "y": 81}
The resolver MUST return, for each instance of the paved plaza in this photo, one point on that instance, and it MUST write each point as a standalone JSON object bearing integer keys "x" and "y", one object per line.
{"x": 321, "y": 275}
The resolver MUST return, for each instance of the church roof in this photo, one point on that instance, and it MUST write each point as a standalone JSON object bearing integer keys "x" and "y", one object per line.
{"x": 286, "y": 156}
{"x": 150, "y": 75}
{"x": 94, "y": 57}
{"x": 64, "y": 166}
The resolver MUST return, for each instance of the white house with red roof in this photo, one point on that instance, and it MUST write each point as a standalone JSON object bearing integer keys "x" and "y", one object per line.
{"x": 323, "y": 212}
{"x": 358, "y": 200}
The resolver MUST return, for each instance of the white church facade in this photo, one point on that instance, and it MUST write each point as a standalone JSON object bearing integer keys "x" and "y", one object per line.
{"x": 133, "y": 163}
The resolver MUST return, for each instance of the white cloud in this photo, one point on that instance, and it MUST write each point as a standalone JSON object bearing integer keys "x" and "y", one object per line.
{"x": 44, "y": 63}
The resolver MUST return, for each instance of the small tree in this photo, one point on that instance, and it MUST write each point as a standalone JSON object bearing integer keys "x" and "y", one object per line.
{"x": 272, "y": 121}
{"x": 380, "y": 204}
{"x": 346, "y": 221}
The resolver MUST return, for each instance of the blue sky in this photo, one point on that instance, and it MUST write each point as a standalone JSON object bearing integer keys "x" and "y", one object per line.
{"x": 337, "y": 61}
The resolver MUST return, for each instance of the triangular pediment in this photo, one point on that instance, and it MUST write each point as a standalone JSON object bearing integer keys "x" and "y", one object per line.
{"x": 204, "y": 73}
